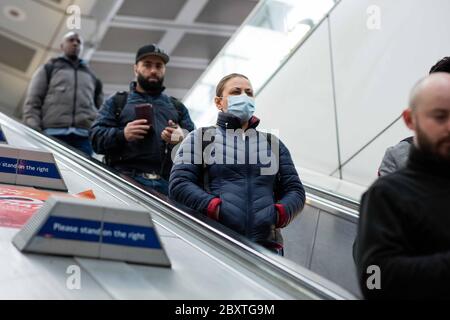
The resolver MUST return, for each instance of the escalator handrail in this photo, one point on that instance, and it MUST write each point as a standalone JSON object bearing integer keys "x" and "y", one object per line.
{"x": 334, "y": 195}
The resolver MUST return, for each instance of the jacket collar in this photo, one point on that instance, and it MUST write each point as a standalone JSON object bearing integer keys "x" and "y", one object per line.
{"x": 79, "y": 62}
{"x": 133, "y": 85}
{"x": 427, "y": 163}
{"x": 227, "y": 120}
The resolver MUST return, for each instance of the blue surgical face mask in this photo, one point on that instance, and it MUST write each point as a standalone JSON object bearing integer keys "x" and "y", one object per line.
{"x": 241, "y": 106}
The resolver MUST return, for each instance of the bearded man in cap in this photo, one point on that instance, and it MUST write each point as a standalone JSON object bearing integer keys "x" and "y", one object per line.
{"x": 137, "y": 130}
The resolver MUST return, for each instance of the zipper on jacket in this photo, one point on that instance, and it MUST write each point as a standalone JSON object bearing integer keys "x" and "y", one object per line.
{"x": 75, "y": 70}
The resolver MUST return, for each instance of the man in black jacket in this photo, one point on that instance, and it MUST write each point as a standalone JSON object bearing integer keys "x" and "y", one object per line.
{"x": 403, "y": 237}
{"x": 141, "y": 147}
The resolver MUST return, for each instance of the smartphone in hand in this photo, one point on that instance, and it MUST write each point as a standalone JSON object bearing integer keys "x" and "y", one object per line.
{"x": 144, "y": 111}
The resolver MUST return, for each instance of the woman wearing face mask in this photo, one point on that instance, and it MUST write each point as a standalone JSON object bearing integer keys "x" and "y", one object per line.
{"x": 249, "y": 183}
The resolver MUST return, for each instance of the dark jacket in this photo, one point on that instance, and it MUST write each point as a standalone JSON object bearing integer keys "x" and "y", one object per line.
{"x": 146, "y": 155}
{"x": 67, "y": 97}
{"x": 404, "y": 229}
{"x": 247, "y": 198}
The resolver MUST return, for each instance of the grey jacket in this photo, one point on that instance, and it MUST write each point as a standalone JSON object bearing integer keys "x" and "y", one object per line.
{"x": 395, "y": 157}
{"x": 70, "y": 97}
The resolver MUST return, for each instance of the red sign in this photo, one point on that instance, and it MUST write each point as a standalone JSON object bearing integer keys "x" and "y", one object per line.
{"x": 18, "y": 204}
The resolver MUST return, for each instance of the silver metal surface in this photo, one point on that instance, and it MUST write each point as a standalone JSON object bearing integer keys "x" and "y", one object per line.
{"x": 332, "y": 208}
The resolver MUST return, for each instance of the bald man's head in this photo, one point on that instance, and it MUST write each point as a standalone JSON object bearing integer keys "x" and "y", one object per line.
{"x": 71, "y": 45}
{"x": 429, "y": 114}
{"x": 434, "y": 86}
{"x": 70, "y": 34}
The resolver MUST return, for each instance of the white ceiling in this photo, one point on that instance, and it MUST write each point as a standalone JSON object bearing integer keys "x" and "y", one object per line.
{"x": 191, "y": 31}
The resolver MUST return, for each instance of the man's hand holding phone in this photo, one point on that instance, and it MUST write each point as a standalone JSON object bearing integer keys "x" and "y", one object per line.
{"x": 136, "y": 130}
{"x": 144, "y": 111}
{"x": 173, "y": 133}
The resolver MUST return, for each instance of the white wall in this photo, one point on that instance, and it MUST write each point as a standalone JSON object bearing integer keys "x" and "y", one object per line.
{"x": 299, "y": 103}
{"x": 374, "y": 71}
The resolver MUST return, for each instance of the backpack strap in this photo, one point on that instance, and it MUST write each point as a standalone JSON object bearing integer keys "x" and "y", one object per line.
{"x": 205, "y": 172}
{"x": 206, "y": 143}
{"x": 49, "y": 67}
{"x": 98, "y": 91}
{"x": 178, "y": 106}
{"x": 277, "y": 180}
{"x": 119, "y": 102}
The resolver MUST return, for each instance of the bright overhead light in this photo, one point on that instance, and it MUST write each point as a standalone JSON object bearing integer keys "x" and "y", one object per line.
{"x": 258, "y": 49}
{"x": 14, "y": 13}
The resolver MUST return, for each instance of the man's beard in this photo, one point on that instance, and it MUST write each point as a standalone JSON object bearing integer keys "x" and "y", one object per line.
{"x": 73, "y": 53}
{"x": 150, "y": 86}
{"x": 430, "y": 148}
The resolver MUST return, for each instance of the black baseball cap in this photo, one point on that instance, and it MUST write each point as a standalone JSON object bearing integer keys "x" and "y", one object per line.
{"x": 151, "y": 50}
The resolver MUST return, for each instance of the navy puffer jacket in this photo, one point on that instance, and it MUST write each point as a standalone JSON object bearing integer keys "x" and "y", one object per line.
{"x": 251, "y": 203}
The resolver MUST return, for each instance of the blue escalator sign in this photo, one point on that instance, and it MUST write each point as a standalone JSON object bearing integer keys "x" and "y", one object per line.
{"x": 96, "y": 231}
{"x": 29, "y": 168}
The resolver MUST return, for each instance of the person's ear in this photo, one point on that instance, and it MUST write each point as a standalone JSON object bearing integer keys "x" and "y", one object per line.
{"x": 135, "y": 70}
{"x": 408, "y": 118}
{"x": 219, "y": 103}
